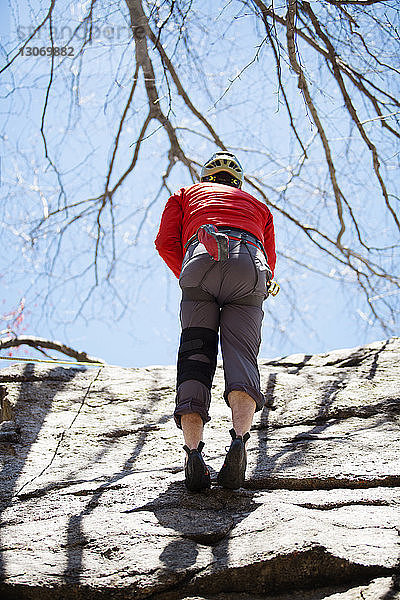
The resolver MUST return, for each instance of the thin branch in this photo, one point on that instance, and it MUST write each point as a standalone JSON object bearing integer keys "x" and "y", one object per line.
{"x": 135, "y": 154}
{"x": 356, "y": 77}
{"x": 356, "y": 2}
{"x": 372, "y": 55}
{"x": 35, "y": 31}
{"x": 179, "y": 86}
{"x": 38, "y": 343}
{"x": 302, "y": 84}
{"x": 171, "y": 10}
{"x": 238, "y": 76}
{"x": 48, "y": 94}
{"x": 121, "y": 124}
{"x": 310, "y": 232}
{"x": 350, "y": 107}
{"x": 281, "y": 87}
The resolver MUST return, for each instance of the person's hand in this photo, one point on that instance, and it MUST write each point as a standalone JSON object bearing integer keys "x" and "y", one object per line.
{"x": 273, "y": 287}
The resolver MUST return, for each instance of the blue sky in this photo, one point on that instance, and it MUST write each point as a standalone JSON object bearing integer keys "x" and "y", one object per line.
{"x": 146, "y": 331}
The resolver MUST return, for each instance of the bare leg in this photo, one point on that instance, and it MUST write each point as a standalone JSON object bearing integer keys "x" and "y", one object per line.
{"x": 232, "y": 473}
{"x": 243, "y": 408}
{"x": 197, "y": 475}
{"x": 192, "y": 427}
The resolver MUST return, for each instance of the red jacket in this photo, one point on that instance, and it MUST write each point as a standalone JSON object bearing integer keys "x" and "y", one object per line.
{"x": 211, "y": 203}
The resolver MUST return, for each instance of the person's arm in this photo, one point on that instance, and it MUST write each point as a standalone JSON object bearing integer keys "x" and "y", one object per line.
{"x": 269, "y": 243}
{"x": 168, "y": 241}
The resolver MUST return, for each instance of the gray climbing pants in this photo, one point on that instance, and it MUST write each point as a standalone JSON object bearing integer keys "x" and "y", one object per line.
{"x": 224, "y": 297}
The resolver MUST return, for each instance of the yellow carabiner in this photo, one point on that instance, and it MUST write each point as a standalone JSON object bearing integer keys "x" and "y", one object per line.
{"x": 273, "y": 288}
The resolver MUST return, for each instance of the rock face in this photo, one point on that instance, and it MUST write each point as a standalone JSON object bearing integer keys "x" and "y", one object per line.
{"x": 93, "y": 503}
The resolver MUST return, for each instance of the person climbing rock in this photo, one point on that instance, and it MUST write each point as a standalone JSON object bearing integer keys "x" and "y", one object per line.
{"x": 219, "y": 241}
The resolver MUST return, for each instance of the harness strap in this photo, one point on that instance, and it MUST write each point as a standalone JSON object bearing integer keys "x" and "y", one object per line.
{"x": 190, "y": 240}
{"x": 245, "y": 239}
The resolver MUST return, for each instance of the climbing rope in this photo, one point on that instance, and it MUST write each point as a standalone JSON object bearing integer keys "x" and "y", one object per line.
{"x": 61, "y": 362}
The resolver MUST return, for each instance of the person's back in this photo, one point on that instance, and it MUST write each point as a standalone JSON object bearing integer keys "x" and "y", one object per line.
{"x": 219, "y": 241}
{"x": 211, "y": 203}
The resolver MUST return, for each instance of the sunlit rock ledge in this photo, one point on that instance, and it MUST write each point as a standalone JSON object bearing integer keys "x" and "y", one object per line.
{"x": 93, "y": 503}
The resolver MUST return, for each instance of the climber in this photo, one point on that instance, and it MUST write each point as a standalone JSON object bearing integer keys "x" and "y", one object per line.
{"x": 219, "y": 241}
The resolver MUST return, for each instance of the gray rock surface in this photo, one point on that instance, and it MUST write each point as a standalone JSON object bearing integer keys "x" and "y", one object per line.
{"x": 93, "y": 503}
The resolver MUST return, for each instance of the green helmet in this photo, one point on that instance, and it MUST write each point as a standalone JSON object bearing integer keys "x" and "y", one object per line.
{"x": 223, "y": 162}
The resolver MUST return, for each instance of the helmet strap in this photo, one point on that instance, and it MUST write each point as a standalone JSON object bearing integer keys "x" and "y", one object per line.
{"x": 224, "y": 178}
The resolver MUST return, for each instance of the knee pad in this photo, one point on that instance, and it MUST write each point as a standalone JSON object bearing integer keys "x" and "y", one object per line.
{"x": 197, "y": 356}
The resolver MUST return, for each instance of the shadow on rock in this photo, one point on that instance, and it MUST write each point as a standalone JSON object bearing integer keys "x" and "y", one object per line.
{"x": 205, "y": 518}
{"x": 44, "y": 388}
{"x": 76, "y": 539}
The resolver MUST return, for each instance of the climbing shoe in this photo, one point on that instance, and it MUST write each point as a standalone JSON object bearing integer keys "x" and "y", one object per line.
{"x": 197, "y": 475}
{"x": 216, "y": 243}
{"x": 233, "y": 470}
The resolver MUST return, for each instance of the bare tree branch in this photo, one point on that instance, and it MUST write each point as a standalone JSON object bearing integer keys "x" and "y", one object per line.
{"x": 303, "y": 86}
{"x": 357, "y": 2}
{"x": 350, "y": 107}
{"x": 346, "y": 77}
{"x": 39, "y": 343}
{"x": 33, "y": 34}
